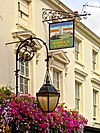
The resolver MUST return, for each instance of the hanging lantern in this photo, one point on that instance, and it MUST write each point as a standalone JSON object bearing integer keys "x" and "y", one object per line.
{"x": 48, "y": 97}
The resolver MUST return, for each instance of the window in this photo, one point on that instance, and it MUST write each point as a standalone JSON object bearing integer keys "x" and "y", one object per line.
{"x": 95, "y": 93}
{"x": 23, "y": 12}
{"x": 77, "y": 94}
{"x": 24, "y": 77}
{"x": 94, "y": 59}
{"x": 77, "y": 49}
{"x": 58, "y": 82}
{"x": 56, "y": 78}
{"x": 58, "y": 68}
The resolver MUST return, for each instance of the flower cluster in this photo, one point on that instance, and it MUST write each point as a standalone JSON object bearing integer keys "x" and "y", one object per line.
{"x": 23, "y": 114}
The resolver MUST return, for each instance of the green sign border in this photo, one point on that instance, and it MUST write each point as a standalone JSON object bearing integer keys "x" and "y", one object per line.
{"x": 64, "y": 39}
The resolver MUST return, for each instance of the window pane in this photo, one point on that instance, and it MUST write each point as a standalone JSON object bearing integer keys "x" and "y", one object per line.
{"x": 22, "y": 70}
{"x": 76, "y": 55}
{"x": 26, "y": 63}
{"x": 26, "y": 81}
{"x": 94, "y": 56}
{"x": 94, "y": 97}
{"x": 77, "y": 95}
{"x": 95, "y": 103}
{"x": 21, "y": 89}
{"x": 77, "y": 104}
{"x": 56, "y": 80}
{"x": 26, "y": 89}
{"x": 76, "y": 49}
{"x": 94, "y": 66}
{"x": 94, "y": 111}
{"x": 76, "y": 45}
{"x": 21, "y": 79}
{"x": 54, "y": 75}
{"x": 26, "y": 72}
{"x": 94, "y": 59}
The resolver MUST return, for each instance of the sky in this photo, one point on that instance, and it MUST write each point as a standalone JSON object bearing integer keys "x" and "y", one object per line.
{"x": 92, "y": 21}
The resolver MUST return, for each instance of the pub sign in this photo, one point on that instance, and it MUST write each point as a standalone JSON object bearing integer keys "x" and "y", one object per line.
{"x": 61, "y": 35}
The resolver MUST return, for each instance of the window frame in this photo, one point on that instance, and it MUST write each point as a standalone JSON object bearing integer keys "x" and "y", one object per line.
{"x": 24, "y": 76}
{"x": 58, "y": 80}
{"x": 78, "y": 95}
{"x": 95, "y": 104}
{"x": 78, "y": 49}
{"x": 94, "y": 59}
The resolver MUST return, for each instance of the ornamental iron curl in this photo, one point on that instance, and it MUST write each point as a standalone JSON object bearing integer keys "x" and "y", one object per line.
{"x": 25, "y": 52}
{"x": 50, "y": 15}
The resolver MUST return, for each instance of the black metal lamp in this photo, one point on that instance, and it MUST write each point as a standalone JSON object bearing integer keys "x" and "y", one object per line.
{"x": 47, "y": 96}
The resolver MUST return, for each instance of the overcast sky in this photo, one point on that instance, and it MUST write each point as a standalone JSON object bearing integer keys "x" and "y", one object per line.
{"x": 93, "y": 21}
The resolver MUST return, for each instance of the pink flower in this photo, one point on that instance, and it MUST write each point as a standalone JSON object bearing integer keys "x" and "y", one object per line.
{"x": 24, "y": 109}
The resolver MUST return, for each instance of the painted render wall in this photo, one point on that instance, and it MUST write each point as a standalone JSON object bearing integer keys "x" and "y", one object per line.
{"x": 7, "y": 25}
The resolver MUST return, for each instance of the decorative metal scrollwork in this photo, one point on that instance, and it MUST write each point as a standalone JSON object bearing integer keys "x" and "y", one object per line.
{"x": 50, "y": 15}
{"x": 27, "y": 50}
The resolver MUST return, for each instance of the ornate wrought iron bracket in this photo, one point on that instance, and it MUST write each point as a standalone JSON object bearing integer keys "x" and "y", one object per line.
{"x": 25, "y": 52}
{"x": 51, "y": 15}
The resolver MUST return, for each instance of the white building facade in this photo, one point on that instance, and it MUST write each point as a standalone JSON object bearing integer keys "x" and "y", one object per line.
{"x": 75, "y": 71}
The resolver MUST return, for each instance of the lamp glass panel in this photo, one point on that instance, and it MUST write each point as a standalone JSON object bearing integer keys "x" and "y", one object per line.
{"x": 43, "y": 101}
{"x": 53, "y": 101}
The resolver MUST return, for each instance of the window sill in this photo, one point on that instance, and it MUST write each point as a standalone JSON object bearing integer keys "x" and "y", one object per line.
{"x": 79, "y": 63}
{"x": 95, "y": 122}
{"x": 95, "y": 72}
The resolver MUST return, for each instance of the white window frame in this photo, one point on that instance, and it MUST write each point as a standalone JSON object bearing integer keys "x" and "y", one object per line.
{"x": 94, "y": 59}
{"x": 78, "y": 96}
{"x": 78, "y": 49}
{"x": 57, "y": 79}
{"x": 61, "y": 77}
{"x": 23, "y": 76}
{"x": 95, "y": 104}
{"x": 80, "y": 76}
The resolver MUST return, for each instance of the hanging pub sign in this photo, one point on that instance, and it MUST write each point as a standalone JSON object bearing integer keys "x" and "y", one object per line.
{"x": 61, "y": 35}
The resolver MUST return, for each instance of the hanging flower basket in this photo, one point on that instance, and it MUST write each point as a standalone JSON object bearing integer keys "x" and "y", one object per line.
{"x": 23, "y": 114}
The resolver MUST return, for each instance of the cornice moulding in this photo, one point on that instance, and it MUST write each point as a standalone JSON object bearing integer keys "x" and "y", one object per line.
{"x": 92, "y": 36}
{"x": 95, "y": 81}
{"x": 84, "y": 74}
